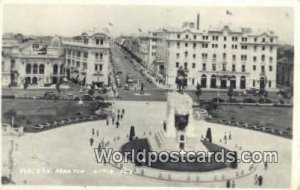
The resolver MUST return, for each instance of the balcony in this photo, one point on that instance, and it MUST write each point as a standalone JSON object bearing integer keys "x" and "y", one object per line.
{"x": 99, "y": 60}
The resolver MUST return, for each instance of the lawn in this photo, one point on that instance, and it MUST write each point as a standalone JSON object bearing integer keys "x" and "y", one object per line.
{"x": 30, "y": 111}
{"x": 267, "y": 116}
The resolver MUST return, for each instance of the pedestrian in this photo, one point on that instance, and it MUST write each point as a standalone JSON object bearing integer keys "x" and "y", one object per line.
{"x": 228, "y": 183}
{"x": 107, "y": 122}
{"x": 255, "y": 179}
{"x": 121, "y": 116}
{"x": 91, "y": 141}
{"x": 229, "y": 136}
{"x": 99, "y": 146}
{"x": 97, "y": 133}
{"x": 260, "y": 180}
{"x": 113, "y": 120}
{"x": 225, "y": 137}
{"x": 233, "y": 184}
{"x": 266, "y": 165}
{"x": 123, "y": 111}
{"x": 117, "y": 124}
{"x": 165, "y": 126}
{"x": 93, "y": 131}
{"x": 118, "y": 111}
{"x": 118, "y": 117}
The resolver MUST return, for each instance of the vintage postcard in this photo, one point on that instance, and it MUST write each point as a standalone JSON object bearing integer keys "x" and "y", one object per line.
{"x": 116, "y": 95}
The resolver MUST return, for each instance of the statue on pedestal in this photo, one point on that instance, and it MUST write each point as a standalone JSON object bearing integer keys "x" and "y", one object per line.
{"x": 181, "y": 80}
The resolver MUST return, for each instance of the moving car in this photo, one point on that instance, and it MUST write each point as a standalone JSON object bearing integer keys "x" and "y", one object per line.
{"x": 50, "y": 95}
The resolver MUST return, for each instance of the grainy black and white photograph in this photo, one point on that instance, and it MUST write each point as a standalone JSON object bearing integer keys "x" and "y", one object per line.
{"x": 147, "y": 95}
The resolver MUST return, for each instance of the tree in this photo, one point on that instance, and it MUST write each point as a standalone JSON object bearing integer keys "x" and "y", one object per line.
{"x": 10, "y": 113}
{"x": 230, "y": 92}
{"x": 198, "y": 92}
{"x": 208, "y": 135}
{"x": 211, "y": 106}
{"x": 58, "y": 86}
{"x": 131, "y": 133}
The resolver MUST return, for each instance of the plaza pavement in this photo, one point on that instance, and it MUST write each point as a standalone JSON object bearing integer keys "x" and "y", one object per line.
{"x": 67, "y": 148}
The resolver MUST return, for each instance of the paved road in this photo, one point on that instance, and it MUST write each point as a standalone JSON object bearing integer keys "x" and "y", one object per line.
{"x": 121, "y": 63}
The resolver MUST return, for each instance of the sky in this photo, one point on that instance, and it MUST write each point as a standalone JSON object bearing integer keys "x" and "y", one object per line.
{"x": 70, "y": 20}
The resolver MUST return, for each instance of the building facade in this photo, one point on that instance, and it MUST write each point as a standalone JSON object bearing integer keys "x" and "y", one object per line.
{"x": 218, "y": 58}
{"x": 32, "y": 64}
{"x": 87, "y": 59}
{"x": 285, "y": 66}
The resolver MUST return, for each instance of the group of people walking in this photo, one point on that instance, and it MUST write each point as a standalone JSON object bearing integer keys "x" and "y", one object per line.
{"x": 116, "y": 120}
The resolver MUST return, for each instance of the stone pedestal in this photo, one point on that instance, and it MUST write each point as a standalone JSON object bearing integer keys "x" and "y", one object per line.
{"x": 179, "y": 105}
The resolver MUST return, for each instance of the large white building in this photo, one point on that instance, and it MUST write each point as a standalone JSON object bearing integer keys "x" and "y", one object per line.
{"x": 84, "y": 59}
{"x": 88, "y": 58}
{"x": 32, "y": 63}
{"x": 218, "y": 58}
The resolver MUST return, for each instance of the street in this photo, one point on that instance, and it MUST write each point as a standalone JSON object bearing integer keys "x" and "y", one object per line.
{"x": 121, "y": 63}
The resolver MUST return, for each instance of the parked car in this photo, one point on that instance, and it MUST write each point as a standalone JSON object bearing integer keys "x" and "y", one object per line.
{"x": 249, "y": 100}
{"x": 87, "y": 97}
{"x": 36, "y": 127}
{"x": 126, "y": 86}
{"x": 119, "y": 72}
{"x": 251, "y": 91}
{"x": 70, "y": 96}
{"x": 50, "y": 95}
{"x": 220, "y": 100}
{"x": 265, "y": 101}
{"x": 45, "y": 124}
{"x": 232, "y": 100}
{"x": 99, "y": 98}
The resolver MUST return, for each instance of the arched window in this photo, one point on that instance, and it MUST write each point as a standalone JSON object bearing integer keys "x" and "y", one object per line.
{"x": 243, "y": 82}
{"x": 28, "y": 68}
{"x": 233, "y": 82}
{"x": 34, "y": 80}
{"x": 35, "y": 69}
{"x": 223, "y": 82}
{"x": 62, "y": 69}
{"x": 203, "y": 81}
{"x": 213, "y": 81}
{"x": 262, "y": 82}
{"x": 55, "y": 69}
{"x": 42, "y": 69}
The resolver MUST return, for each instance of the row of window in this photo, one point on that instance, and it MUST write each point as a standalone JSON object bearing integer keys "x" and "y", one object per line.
{"x": 233, "y": 68}
{"x": 233, "y": 46}
{"x": 77, "y": 64}
{"x": 85, "y": 54}
{"x": 243, "y": 57}
{"x": 233, "y": 38}
{"x": 97, "y": 41}
{"x": 40, "y": 69}
{"x": 223, "y": 82}
{"x": 35, "y": 69}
